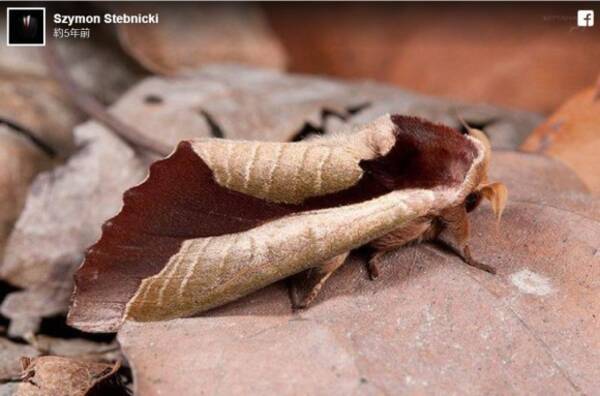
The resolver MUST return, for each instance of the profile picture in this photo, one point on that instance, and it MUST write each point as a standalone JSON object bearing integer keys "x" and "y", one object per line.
{"x": 26, "y": 26}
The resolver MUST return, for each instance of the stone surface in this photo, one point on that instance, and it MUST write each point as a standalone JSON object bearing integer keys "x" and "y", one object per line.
{"x": 429, "y": 324}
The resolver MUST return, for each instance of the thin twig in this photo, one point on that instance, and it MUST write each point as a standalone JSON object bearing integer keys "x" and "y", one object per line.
{"x": 96, "y": 110}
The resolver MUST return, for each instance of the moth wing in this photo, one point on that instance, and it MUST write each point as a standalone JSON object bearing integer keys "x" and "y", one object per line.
{"x": 209, "y": 272}
{"x": 286, "y": 173}
{"x": 178, "y": 201}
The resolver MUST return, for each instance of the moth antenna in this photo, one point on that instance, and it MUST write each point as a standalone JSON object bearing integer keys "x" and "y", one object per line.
{"x": 497, "y": 194}
{"x": 463, "y": 123}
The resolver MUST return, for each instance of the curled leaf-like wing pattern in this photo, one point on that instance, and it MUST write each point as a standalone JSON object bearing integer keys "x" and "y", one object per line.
{"x": 219, "y": 219}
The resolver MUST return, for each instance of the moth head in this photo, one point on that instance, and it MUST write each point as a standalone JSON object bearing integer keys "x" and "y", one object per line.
{"x": 496, "y": 193}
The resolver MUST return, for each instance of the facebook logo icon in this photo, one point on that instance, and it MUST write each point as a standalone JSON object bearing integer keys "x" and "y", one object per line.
{"x": 585, "y": 18}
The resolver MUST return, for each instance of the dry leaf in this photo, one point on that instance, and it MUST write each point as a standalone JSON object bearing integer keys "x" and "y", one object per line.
{"x": 39, "y": 106}
{"x": 62, "y": 217}
{"x": 77, "y": 348}
{"x": 506, "y": 129}
{"x": 572, "y": 134}
{"x": 10, "y": 354}
{"x": 190, "y": 36}
{"x": 237, "y": 103}
{"x": 31, "y": 99}
{"x": 525, "y": 57}
{"x": 54, "y": 375}
{"x": 20, "y": 161}
{"x": 429, "y": 324}
{"x": 8, "y": 389}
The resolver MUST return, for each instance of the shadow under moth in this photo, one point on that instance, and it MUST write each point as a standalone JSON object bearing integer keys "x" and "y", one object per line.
{"x": 219, "y": 219}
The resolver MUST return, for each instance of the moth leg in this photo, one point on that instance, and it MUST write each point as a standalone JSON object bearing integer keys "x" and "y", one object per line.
{"x": 315, "y": 278}
{"x": 416, "y": 231}
{"x": 373, "y": 264}
{"x": 456, "y": 224}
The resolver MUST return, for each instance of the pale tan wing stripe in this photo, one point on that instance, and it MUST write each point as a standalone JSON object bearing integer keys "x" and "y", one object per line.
{"x": 191, "y": 265}
{"x": 250, "y": 165}
{"x": 273, "y": 168}
{"x": 227, "y": 166}
{"x": 319, "y": 171}
{"x": 170, "y": 275}
{"x": 292, "y": 172}
{"x": 282, "y": 247}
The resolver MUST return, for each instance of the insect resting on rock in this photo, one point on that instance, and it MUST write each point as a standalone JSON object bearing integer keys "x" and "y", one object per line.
{"x": 219, "y": 219}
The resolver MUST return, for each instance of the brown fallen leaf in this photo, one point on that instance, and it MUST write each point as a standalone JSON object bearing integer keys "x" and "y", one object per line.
{"x": 506, "y": 128}
{"x": 429, "y": 324}
{"x": 244, "y": 103}
{"x": 8, "y": 389}
{"x": 20, "y": 161}
{"x": 38, "y": 105}
{"x": 572, "y": 135}
{"x": 61, "y": 219}
{"x": 190, "y": 36}
{"x": 76, "y": 348}
{"x": 10, "y": 354}
{"x": 31, "y": 99}
{"x": 237, "y": 103}
{"x": 525, "y": 57}
{"x": 54, "y": 375}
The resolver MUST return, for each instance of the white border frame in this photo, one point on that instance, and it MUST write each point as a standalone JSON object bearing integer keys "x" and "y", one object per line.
{"x": 43, "y": 44}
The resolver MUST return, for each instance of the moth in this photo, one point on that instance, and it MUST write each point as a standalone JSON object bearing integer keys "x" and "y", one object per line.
{"x": 219, "y": 219}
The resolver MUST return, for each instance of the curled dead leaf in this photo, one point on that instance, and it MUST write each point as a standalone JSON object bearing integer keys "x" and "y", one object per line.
{"x": 10, "y": 354}
{"x": 55, "y": 375}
